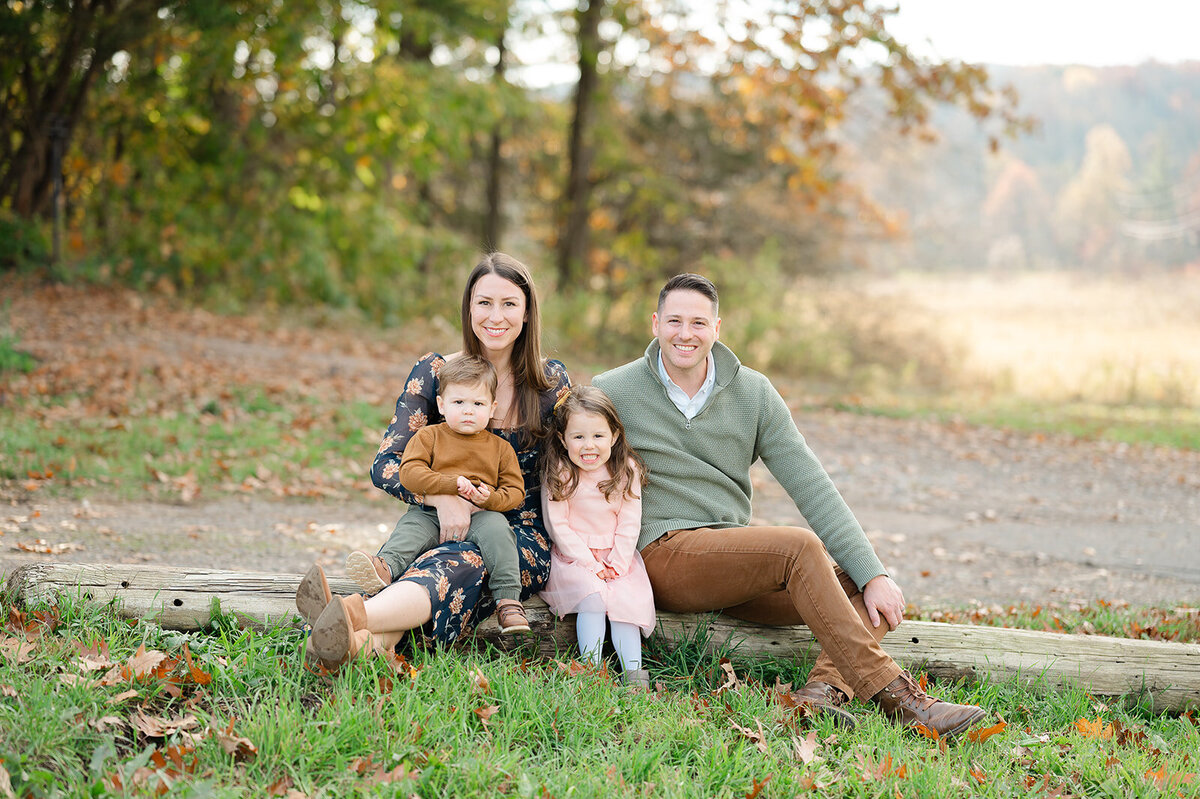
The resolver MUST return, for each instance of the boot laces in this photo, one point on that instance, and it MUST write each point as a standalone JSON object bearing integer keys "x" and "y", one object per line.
{"x": 915, "y": 695}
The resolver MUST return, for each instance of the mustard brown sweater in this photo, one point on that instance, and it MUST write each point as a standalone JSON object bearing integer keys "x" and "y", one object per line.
{"x": 436, "y": 456}
{"x": 700, "y": 469}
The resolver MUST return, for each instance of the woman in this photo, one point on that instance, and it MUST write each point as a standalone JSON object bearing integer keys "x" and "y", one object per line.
{"x": 443, "y": 589}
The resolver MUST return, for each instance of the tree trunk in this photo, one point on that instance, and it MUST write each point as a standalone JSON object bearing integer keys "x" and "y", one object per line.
{"x": 494, "y": 217}
{"x": 573, "y": 246}
{"x": 57, "y": 92}
{"x": 1167, "y": 674}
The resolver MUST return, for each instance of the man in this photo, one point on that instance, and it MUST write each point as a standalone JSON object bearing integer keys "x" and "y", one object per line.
{"x": 699, "y": 419}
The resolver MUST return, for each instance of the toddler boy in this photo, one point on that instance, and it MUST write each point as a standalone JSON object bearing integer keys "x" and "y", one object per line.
{"x": 458, "y": 456}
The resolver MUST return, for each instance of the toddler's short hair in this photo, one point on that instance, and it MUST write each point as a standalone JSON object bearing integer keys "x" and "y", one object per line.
{"x": 467, "y": 370}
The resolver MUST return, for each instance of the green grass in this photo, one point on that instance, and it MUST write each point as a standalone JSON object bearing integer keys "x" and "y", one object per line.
{"x": 294, "y": 444}
{"x": 1180, "y": 624}
{"x": 1174, "y": 427}
{"x": 430, "y": 732}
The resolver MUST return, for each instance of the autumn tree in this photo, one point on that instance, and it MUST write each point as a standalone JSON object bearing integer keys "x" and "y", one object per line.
{"x": 725, "y": 129}
{"x": 53, "y": 55}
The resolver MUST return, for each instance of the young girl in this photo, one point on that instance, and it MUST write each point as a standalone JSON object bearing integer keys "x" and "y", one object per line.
{"x": 591, "y": 493}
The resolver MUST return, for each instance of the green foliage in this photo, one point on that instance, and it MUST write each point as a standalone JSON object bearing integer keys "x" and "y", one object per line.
{"x": 22, "y": 242}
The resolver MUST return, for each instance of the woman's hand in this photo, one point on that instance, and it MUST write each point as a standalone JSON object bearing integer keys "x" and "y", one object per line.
{"x": 607, "y": 573}
{"x": 454, "y": 516}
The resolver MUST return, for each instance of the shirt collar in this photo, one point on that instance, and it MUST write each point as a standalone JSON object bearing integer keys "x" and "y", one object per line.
{"x": 689, "y": 406}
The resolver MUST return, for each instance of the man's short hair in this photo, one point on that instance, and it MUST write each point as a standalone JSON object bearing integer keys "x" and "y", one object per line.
{"x": 467, "y": 370}
{"x": 689, "y": 281}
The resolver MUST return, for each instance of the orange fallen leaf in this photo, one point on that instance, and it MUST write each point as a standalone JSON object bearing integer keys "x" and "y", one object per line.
{"x": 758, "y": 786}
{"x": 980, "y": 735}
{"x": 921, "y": 729}
{"x": 979, "y": 774}
{"x": 199, "y": 677}
{"x": 485, "y": 713}
{"x": 1094, "y": 729}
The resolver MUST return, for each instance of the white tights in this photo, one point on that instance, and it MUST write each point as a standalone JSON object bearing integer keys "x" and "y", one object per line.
{"x": 589, "y": 629}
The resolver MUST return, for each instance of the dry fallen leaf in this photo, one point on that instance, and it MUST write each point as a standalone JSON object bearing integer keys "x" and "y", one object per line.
{"x": 121, "y": 697}
{"x": 6, "y": 789}
{"x": 240, "y": 748}
{"x": 480, "y": 683}
{"x": 16, "y": 651}
{"x": 757, "y": 738}
{"x": 104, "y": 722}
{"x": 731, "y": 680}
{"x": 485, "y": 713}
{"x": 806, "y": 748}
{"x": 159, "y": 727}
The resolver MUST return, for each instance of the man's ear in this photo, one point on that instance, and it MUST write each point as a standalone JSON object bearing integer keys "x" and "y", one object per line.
{"x": 654, "y": 324}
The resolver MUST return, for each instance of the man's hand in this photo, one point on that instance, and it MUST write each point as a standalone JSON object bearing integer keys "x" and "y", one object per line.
{"x": 454, "y": 516}
{"x": 882, "y": 596}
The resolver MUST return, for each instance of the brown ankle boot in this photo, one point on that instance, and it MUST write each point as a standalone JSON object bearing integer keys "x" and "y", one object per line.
{"x": 903, "y": 701}
{"x": 313, "y": 595}
{"x": 370, "y": 572}
{"x": 828, "y": 700}
{"x": 333, "y": 640}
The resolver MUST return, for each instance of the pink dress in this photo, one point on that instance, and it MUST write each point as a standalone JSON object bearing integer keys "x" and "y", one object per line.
{"x": 590, "y": 533}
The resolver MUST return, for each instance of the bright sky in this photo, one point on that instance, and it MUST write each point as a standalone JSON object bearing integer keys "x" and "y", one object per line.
{"x": 1094, "y": 32}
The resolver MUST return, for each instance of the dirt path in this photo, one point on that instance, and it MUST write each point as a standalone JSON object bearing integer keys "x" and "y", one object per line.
{"x": 957, "y": 513}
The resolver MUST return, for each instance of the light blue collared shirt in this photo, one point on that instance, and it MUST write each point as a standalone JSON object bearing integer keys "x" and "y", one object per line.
{"x": 689, "y": 406}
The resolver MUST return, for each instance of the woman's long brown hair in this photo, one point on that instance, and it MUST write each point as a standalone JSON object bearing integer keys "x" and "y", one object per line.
{"x": 528, "y": 367}
{"x": 560, "y": 476}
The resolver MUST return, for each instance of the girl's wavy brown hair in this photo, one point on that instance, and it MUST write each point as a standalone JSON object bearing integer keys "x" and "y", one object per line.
{"x": 560, "y": 477}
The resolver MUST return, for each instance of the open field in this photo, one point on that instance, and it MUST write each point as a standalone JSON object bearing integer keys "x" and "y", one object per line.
{"x": 1057, "y": 337}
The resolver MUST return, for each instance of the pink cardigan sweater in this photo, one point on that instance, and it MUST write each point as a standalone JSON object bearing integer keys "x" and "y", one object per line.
{"x": 587, "y": 521}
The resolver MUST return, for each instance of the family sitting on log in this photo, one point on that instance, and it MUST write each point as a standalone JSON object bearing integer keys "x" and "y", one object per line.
{"x": 687, "y": 421}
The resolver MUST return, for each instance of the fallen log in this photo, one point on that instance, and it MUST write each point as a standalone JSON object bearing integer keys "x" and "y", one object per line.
{"x": 1166, "y": 674}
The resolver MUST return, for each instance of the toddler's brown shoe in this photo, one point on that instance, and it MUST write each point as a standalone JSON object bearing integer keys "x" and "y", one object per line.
{"x": 370, "y": 572}
{"x": 510, "y": 615}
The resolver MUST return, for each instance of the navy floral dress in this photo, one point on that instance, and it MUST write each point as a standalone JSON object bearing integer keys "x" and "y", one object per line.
{"x": 453, "y": 573}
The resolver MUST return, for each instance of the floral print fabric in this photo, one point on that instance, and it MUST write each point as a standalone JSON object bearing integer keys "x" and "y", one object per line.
{"x": 453, "y": 573}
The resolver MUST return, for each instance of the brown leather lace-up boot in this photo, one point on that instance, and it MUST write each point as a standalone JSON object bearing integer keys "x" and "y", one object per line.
{"x": 903, "y": 701}
{"x": 825, "y": 698}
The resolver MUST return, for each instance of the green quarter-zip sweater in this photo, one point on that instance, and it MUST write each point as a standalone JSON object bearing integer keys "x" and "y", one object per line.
{"x": 700, "y": 469}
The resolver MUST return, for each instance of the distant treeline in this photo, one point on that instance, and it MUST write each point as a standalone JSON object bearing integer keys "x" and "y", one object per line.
{"x": 1108, "y": 180}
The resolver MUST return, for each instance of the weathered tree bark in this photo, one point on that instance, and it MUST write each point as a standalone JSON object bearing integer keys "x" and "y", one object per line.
{"x": 1166, "y": 673}
{"x": 494, "y": 218}
{"x": 572, "y": 247}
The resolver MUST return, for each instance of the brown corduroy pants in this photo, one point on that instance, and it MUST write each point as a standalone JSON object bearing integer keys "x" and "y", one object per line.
{"x": 775, "y": 576}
